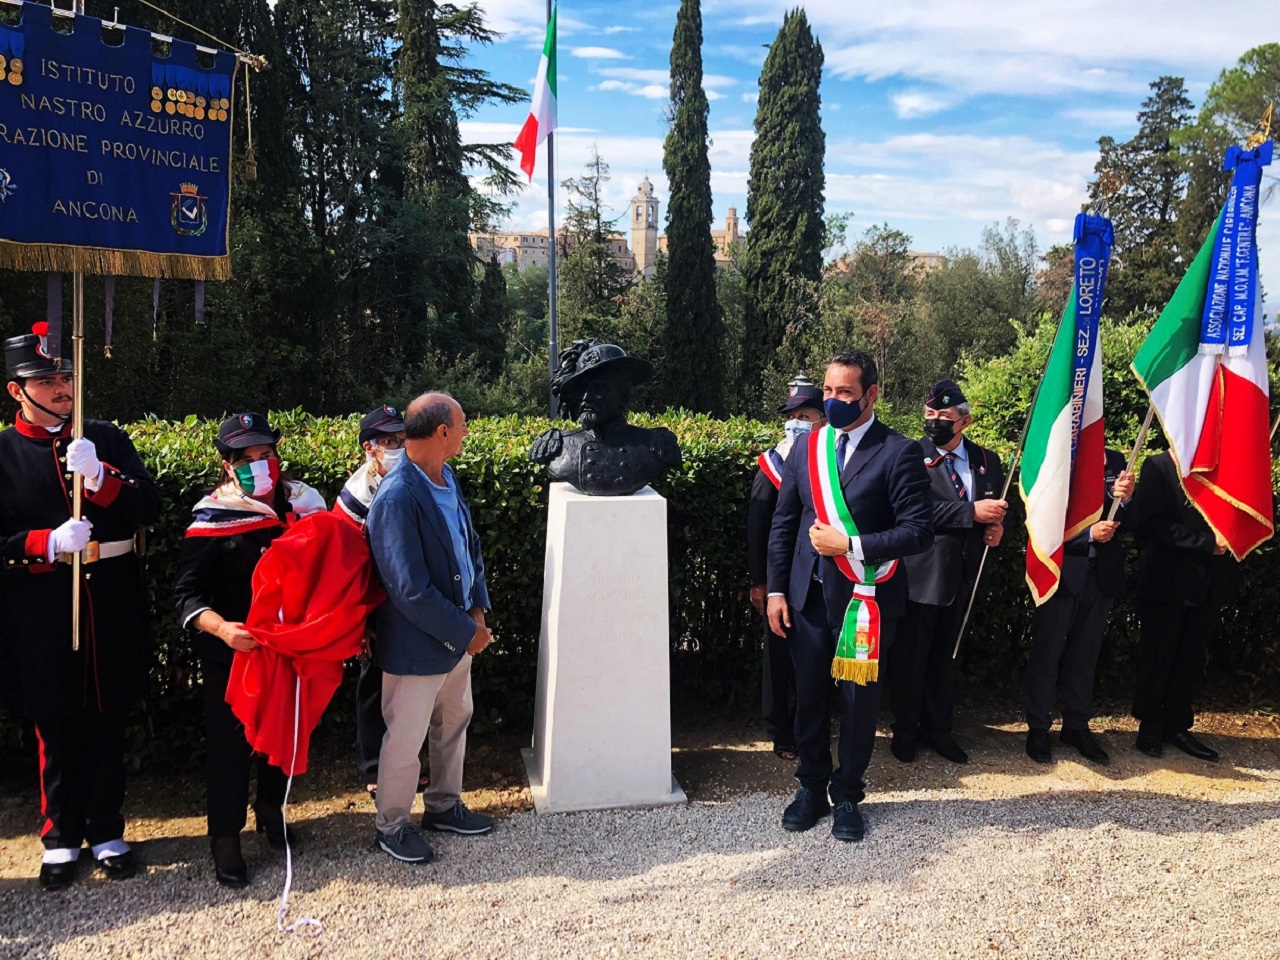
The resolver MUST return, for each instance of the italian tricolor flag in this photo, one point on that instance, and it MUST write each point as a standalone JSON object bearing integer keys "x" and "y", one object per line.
{"x": 1214, "y": 409}
{"x": 542, "y": 114}
{"x": 1063, "y": 462}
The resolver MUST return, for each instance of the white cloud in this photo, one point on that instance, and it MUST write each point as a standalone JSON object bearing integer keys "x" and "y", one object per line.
{"x": 714, "y": 95}
{"x": 636, "y": 74}
{"x": 653, "y": 91}
{"x": 751, "y": 98}
{"x": 598, "y": 53}
{"x": 609, "y": 31}
{"x": 1026, "y": 46}
{"x": 910, "y": 104}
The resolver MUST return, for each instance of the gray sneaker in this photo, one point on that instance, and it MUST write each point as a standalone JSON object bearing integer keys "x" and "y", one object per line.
{"x": 406, "y": 844}
{"x": 458, "y": 819}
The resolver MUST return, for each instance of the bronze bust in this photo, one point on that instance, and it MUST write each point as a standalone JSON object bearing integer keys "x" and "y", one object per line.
{"x": 607, "y": 457}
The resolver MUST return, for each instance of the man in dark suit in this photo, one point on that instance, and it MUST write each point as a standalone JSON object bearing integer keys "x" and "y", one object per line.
{"x": 1185, "y": 576}
{"x": 882, "y": 487}
{"x": 966, "y": 483}
{"x": 1067, "y": 629}
{"x": 432, "y": 624}
{"x": 803, "y": 411}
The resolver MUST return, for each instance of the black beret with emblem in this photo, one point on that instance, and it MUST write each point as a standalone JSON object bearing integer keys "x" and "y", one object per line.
{"x": 245, "y": 430}
{"x": 945, "y": 393}
{"x": 803, "y": 395}
{"x": 385, "y": 419}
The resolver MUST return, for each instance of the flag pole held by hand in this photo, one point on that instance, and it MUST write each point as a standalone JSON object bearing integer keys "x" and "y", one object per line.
{"x": 1133, "y": 455}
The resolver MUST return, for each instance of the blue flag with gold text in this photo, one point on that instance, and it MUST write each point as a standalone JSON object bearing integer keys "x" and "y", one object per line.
{"x": 113, "y": 159}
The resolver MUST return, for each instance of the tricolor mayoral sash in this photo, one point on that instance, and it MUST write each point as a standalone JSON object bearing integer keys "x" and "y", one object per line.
{"x": 770, "y": 463}
{"x": 858, "y": 646}
{"x": 227, "y": 512}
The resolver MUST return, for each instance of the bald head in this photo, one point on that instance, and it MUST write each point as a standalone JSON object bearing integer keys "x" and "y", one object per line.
{"x": 427, "y": 413}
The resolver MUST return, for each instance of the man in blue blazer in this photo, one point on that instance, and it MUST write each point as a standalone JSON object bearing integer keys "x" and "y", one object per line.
{"x": 428, "y": 559}
{"x": 885, "y": 488}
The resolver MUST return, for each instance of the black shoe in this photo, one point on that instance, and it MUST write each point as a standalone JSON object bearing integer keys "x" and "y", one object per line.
{"x": 903, "y": 748}
{"x": 948, "y": 749}
{"x": 1038, "y": 746}
{"x": 122, "y": 866}
{"x": 1086, "y": 743}
{"x": 228, "y": 864}
{"x": 58, "y": 876}
{"x": 805, "y": 810}
{"x": 272, "y": 824}
{"x": 1188, "y": 744}
{"x": 1149, "y": 744}
{"x": 846, "y": 822}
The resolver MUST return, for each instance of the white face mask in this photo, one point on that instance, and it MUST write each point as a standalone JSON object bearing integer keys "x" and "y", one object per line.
{"x": 390, "y": 458}
{"x": 795, "y": 429}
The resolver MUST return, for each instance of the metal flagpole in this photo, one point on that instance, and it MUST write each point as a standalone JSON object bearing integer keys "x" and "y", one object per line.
{"x": 1133, "y": 455}
{"x": 77, "y": 425}
{"x": 1004, "y": 495}
{"x": 551, "y": 262}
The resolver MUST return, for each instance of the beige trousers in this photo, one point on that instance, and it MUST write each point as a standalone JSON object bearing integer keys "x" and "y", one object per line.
{"x": 436, "y": 709}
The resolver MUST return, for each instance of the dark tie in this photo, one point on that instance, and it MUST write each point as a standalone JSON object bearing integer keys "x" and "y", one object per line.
{"x": 842, "y": 445}
{"x": 956, "y": 482}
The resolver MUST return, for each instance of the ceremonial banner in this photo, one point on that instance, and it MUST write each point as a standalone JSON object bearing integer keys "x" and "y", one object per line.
{"x": 1204, "y": 365}
{"x": 1063, "y": 463}
{"x": 112, "y": 160}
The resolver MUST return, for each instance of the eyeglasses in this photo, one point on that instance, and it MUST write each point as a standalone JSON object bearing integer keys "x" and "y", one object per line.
{"x": 390, "y": 443}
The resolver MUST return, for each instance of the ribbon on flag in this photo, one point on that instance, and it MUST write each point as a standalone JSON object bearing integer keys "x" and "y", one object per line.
{"x": 857, "y": 656}
{"x": 1231, "y": 299}
{"x": 1094, "y": 238}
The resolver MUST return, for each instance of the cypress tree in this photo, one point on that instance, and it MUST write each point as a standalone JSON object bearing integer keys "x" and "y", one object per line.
{"x": 783, "y": 265}
{"x": 693, "y": 332}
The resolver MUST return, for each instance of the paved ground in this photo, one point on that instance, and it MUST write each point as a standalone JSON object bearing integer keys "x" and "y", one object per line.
{"x": 1146, "y": 858}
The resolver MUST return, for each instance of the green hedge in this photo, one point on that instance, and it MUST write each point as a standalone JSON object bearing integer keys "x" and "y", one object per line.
{"x": 715, "y": 634}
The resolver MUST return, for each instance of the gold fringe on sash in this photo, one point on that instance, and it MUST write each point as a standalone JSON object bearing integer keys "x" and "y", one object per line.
{"x": 42, "y": 257}
{"x": 861, "y": 672}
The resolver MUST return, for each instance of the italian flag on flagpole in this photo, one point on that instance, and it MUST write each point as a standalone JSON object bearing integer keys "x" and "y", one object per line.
{"x": 1204, "y": 365}
{"x": 1064, "y": 458}
{"x": 542, "y": 114}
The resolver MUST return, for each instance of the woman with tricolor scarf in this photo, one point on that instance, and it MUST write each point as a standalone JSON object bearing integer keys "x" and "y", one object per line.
{"x": 231, "y": 528}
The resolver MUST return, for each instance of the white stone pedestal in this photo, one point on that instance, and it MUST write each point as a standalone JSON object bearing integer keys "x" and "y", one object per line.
{"x": 602, "y": 723}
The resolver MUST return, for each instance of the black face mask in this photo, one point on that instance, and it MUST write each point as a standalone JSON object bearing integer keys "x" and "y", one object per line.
{"x": 940, "y": 432}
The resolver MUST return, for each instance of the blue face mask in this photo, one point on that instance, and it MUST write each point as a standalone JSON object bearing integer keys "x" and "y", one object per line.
{"x": 843, "y": 413}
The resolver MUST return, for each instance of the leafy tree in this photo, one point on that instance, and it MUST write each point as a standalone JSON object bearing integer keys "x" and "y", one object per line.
{"x": 783, "y": 266}
{"x": 1234, "y": 104}
{"x": 1146, "y": 182}
{"x": 691, "y": 368}
{"x": 490, "y": 316}
{"x": 591, "y": 280}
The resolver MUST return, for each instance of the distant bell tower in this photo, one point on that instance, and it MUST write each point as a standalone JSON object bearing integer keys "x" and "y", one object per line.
{"x": 644, "y": 230}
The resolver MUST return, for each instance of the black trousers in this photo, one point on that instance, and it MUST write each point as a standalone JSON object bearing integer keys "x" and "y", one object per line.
{"x": 777, "y": 677}
{"x": 921, "y": 671}
{"x": 370, "y": 726}
{"x": 813, "y": 646}
{"x": 1170, "y": 664}
{"x": 81, "y": 779}
{"x": 229, "y": 758}
{"x": 1066, "y": 635}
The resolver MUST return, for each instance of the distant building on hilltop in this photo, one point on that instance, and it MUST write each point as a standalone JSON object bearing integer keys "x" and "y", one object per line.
{"x": 640, "y": 259}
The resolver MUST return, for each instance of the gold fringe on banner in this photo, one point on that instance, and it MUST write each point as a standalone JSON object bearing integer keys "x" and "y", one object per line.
{"x": 860, "y": 672}
{"x": 43, "y": 257}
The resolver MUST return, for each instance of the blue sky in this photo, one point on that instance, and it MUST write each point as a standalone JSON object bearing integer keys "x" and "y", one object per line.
{"x": 941, "y": 116}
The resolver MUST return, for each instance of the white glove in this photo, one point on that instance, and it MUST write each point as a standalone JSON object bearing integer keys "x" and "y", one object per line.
{"x": 82, "y": 457}
{"x": 72, "y": 537}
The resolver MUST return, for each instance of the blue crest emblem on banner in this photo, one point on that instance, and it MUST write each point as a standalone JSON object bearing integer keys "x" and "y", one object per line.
{"x": 6, "y": 185}
{"x": 189, "y": 213}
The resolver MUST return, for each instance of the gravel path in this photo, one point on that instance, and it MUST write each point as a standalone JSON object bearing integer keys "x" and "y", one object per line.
{"x": 1145, "y": 859}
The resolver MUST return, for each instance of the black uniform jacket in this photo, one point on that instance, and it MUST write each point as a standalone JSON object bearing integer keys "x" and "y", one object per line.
{"x": 886, "y": 490}
{"x": 110, "y": 670}
{"x": 936, "y": 576}
{"x": 216, "y": 573}
{"x": 1178, "y": 567}
{"x": 1109, "y": 556}
{"x": 764, "y": 498}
